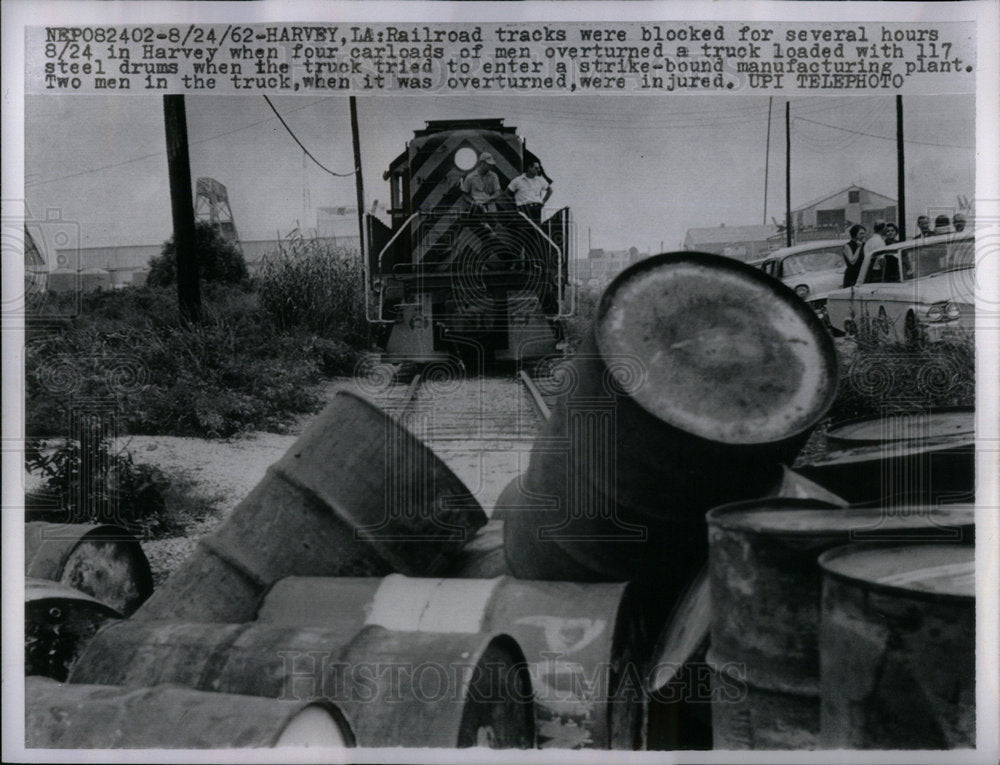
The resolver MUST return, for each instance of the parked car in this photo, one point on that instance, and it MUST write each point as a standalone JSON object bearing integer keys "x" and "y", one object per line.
{"x": 922, "y": 288}
{"x": 812, "y": 269}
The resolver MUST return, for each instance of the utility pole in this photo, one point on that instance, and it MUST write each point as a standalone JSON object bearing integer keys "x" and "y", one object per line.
{"x": 358, "y": 182}
{"x": 900, "y": 172}
{"x": 788, "y": 174}
{"x": 182, "y": 207}
{"x": 360, "y": 186}
{"x": 767, "y": 156}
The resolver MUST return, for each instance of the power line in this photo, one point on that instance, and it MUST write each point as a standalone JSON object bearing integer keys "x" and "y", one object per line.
{"x": 94, "y": 169}
{"x": 886, "y": 138}
{"x": 302, "y": 146}
{"x": 160, "y": 154}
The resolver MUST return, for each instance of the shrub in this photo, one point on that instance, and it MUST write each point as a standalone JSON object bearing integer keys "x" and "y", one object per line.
{"x": 91, "y": 484}
{"x": 878, "y": 376}
{"x": 218, "y": 260}
{"x": 311, "y": 285}
{"x": 231, "y": 372}
{"x": 580, "y": 324}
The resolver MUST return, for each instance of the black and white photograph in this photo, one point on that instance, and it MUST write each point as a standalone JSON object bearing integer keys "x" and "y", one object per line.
{"x": 587, "y": 383}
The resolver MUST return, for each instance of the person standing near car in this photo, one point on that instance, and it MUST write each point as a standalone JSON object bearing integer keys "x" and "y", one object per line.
{"x": 891, "y": 233}
{"x": 941, "y": 225}
{"x": 923, "y": 227}
{"x": 852, "y": 254}
{"x": 873, "y": 244}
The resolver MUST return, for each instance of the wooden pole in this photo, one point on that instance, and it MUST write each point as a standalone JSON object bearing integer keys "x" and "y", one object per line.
{"x": 767, "y": 156}
{"x": 360, "y": 186}
{"x": 788, "y": 175}
{"x": 900, "y": 172}
{"x": 358, "y": 180}
{"x": 182, "y": 207}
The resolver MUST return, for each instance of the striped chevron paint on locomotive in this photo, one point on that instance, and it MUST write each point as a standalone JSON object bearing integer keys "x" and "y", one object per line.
{"x": 438, "y": 277}
{"x": 435, "y": 186}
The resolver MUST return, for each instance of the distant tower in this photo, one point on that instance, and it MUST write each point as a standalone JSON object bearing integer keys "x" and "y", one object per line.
{"x": 212, "y": 205}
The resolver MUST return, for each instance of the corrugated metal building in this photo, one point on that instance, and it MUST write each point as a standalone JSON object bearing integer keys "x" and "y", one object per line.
{"x": 831, "y": 215}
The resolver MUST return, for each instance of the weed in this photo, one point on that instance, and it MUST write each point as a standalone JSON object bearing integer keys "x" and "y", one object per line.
{"x": 91, "y": 483}
{"x": 311, "y": 285}
{"x": 581, "y": 323}
{"x": 233, "y": 371}
{"x": 880, "y": 376}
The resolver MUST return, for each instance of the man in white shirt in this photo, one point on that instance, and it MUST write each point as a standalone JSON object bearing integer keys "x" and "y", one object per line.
{"x": 531, "y": 191}
{"x": 872, "y": 244}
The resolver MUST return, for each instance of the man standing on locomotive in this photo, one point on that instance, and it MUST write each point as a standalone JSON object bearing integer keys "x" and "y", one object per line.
{"x": 480, "y": 188}
{"x": 531, "y": 191}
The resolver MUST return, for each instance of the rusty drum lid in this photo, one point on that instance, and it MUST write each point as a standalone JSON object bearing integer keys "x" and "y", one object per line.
{"x": 723, "y": 351}
{"x": 927, "y": 570}
{"x": 809, "y": 518}
{"x": 932, "y": 425}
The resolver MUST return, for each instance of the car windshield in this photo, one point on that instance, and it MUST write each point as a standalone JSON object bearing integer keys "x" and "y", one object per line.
{"x": 827, "y": 259}
{"x": 931, "y": 259}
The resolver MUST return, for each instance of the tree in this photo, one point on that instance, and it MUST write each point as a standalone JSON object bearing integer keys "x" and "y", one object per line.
{"x": 218, "y": 259}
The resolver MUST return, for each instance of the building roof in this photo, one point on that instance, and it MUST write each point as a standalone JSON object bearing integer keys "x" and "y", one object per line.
{"x": 852, "y": 187}
{"x": 723, "y": 234}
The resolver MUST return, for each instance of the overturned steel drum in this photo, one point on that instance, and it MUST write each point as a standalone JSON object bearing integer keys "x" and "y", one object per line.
{"x": 898, "y": 647}
{"x": 396, "y": 688}
{"x": 584, "y": 643}
{"x": 58, "y": 716}
{"x": 765, "y": 593}
{"x": 702, "y": 376}
{"x": 59, "y": 622}
{"x": 104, "y": 561}
{"x": 356, "y": 495}
{"x": 926, "y": 456}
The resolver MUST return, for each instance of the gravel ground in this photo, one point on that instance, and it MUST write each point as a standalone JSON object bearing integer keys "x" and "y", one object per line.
{"x": 221, "y": 471}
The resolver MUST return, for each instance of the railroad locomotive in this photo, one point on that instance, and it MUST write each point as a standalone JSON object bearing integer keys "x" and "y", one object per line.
{"x": 443, "y": 282}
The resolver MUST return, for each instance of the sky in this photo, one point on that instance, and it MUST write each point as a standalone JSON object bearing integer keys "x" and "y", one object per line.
{"x": 636, "y": 170}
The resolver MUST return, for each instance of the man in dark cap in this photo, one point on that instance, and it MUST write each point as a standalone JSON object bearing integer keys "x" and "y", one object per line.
{"x": 958, "y": 221}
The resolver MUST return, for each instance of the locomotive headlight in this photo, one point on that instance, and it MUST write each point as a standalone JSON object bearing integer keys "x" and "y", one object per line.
{"x": 465, "y": 158}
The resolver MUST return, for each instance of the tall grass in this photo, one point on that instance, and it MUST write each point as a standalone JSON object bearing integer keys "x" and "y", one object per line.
{"x": 311, "y": 285}
{"x": 580, "y": 324}
{"x": 880, "y": 375}
{"x": 252, "y": 362}
{"x": 131, "y": 352}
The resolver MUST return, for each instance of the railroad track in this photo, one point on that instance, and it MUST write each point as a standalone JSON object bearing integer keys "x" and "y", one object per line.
{"x": 491, "y": 409}
{"x": 483, "y": 427}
